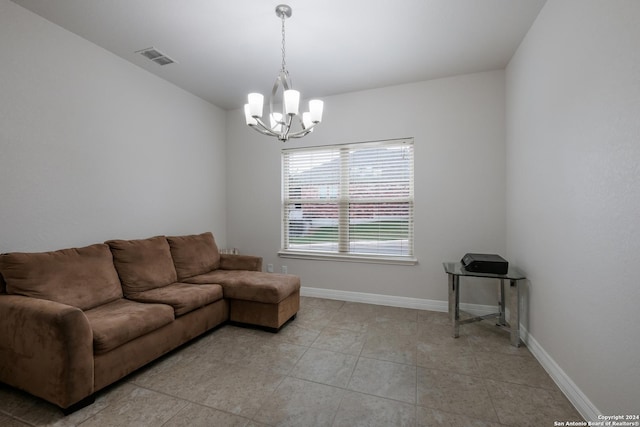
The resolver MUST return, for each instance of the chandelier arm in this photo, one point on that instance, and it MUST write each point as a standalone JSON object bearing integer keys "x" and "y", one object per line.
{"x": 283, "y": 80}
{"x": 263, "y": 132}
{"x": 286, "y": 80}
{"x": 286, "y": 128}
{"x": 300, "y": 133}
{"x": 262, "y": 128}
{"x": 305, "y": 130}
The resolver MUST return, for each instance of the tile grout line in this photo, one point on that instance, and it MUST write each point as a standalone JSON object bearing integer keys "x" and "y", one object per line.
{"x": 478, "y": 354}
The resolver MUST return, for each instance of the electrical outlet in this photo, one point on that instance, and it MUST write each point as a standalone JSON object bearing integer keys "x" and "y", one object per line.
{"x": 284, "y": 269}
{"x": 269, "y": 268}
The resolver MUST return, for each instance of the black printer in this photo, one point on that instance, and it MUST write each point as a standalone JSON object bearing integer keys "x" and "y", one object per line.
{"x": 485, "y": 263}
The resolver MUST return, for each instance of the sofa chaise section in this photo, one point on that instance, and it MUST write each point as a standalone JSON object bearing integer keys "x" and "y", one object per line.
{"x": 256, "y": 298}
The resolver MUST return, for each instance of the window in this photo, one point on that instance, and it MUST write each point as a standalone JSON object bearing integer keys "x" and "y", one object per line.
{"x": 349, "y": 201}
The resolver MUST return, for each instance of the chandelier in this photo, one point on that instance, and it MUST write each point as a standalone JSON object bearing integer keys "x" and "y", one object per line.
{"x": 280, "y": 123}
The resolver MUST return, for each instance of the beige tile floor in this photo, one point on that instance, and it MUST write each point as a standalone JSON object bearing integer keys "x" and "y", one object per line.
{"x": 338, "y": 364}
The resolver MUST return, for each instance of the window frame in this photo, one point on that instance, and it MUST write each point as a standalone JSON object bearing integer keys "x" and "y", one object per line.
{"x": 343, "y": 253}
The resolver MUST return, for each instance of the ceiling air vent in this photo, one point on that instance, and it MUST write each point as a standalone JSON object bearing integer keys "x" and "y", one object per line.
{"x": 156, "y": 56}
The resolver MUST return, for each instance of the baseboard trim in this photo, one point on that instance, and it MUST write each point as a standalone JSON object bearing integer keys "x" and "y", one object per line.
{"x": 577, "y": 398}
{"x": 394, "y": 301}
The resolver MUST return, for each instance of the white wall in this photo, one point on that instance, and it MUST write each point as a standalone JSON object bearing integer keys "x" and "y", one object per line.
{"x": 458, "y": 126}
{"x": 573, "y": 193}
{"x": 93, "y": 147}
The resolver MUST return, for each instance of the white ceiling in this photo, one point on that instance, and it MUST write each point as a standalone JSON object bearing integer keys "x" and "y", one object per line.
{"x": 225, "y": 49}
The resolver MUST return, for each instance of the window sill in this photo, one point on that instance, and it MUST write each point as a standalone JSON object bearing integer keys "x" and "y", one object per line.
{"x": 327, "y": 256}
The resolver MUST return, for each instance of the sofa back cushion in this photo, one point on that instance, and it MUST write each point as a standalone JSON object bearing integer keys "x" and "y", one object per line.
{"x": 143, "y": 264}
{"x": 80, "y": 277}
{"x": 194, "y": 254}
{"x": 3, "y": 286}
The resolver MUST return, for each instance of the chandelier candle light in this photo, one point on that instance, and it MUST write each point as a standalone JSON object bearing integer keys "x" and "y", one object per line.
{"x": 280, "y": 123}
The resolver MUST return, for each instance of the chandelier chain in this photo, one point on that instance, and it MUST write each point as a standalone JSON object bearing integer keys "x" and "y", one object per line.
{"x": 284, "y": 64}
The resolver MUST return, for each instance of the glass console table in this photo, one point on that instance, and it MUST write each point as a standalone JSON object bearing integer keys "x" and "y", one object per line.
{"x": 455, "y": 270}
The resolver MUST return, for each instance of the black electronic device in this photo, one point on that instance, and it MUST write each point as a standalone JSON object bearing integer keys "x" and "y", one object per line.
{"x": 485, "y": 263}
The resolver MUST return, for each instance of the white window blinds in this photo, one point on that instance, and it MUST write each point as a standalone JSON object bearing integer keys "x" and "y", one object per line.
{"x": 352, "y": 199}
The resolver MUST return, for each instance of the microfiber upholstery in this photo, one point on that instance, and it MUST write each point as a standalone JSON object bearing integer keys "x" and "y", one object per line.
{"x": 240, "y": 262}
{"x": 45, "y": 349}
{"x": 251, "y": 285}
{"x": 121, "y": 321}
{"x": 194, "y": 254}
{"x": 143, "y": 264}
{"x": 79, "y": 277}
{"x": 75, "y": 320}
{"x": 183, "y": 297}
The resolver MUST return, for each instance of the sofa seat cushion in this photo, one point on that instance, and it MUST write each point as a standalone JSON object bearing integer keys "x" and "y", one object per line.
{"x": 143, "y": 264}
{"x": 251, "y": 285}
{"x": 121, "y": 321}
{"x": 194, "y": 254}
{"x": 183, "y": 297}
{"x": 80, "y": 277}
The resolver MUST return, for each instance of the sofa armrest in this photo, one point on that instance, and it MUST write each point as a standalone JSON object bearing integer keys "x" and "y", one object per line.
{"x": 46, "y": 349}
{"x": 240, "y": 262}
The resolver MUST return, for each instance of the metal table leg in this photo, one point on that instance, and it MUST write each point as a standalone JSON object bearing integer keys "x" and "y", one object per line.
{"x": 514, "y": 312}
{"x": 454, "y": 304}
{"x": 501, "y": 303}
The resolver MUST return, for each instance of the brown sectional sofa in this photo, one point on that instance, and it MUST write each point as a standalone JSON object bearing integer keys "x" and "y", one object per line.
{"x": 76, "y": 320}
